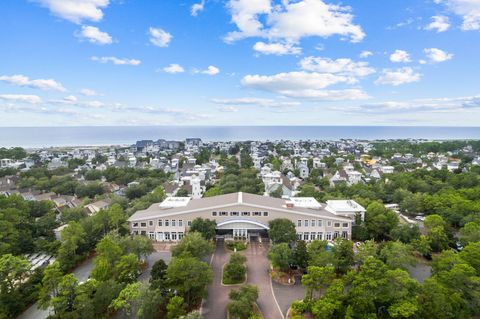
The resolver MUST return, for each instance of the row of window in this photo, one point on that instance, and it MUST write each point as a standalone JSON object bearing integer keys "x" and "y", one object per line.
{"x": 161, "y": 236}
{"x": 307, "y": 236}
{"x": 161, "y": 223}
{"x": 319, "y": 223}
{"x": 179, "y": 222}
{"x": 239, "y": 213}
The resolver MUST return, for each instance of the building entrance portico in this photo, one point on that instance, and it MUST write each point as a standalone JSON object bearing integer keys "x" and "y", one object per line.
{"x": 241, "y": 228}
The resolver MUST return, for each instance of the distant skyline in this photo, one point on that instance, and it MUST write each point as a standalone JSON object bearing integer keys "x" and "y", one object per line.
{"x": 239, "y": 62}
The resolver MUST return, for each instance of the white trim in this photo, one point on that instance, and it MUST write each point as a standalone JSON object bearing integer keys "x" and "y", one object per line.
{"x": 248, "y": 221}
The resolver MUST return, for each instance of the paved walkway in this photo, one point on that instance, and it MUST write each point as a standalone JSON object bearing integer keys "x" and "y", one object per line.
{"x": 215, "y": 307}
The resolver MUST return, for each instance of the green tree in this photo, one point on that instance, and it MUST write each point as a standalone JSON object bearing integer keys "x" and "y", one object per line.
{"x": 300, "y": 254}
{"x": 72, "y": 237}
{"x": 128, "y": 299}
{"x": 470, "y": 233}
{"x": 367, "y": 249}
{"x": 316, "y": 279}
{"x": 206, "y": 227}
{"x": 282, "y": 230}
{"x": 280, "y": 255}
{"x": 318, "y": 255}
{"x": 397, "y": 255}
{"x": 379, "y": 221}
{"x": 13, "y": 270}
{"x": 189, "y": 277}
{"x": 158, "y": 273}
{"x": 152, "y": 302}
{"x": 438, "y": 238}
{"x": 64, "y": 301}
{"x": 242, "y": 302}
{"x": 433, "y": 221}
{"x": 192, "y": 244}
{"x": 176, "y": 308}
{"x": 406, "y": 233}
{"x": 471, "y": 254}
{"x": 343, "y": 256}
{"x": 50, "y": 284}
{"x": 127, "y": 268}
{"x": 235, "y": 270}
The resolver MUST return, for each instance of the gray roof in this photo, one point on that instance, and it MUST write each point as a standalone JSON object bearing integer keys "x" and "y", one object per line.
{"x": 222, "y": 201}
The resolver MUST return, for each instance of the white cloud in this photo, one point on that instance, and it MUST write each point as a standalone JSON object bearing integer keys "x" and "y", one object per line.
{"x": 71, "y": 98}
{"x": 436, "y": 55}
{"x": 22, "y": 80}
{"x": 94, "y": 104}
{"x": 418, "y": 105}
{"x": 469, "y": 10}
{"x": 399, "y": 76}
{"x": 116, "y": 61}
{"x": 291, "y": 21}
{"x": 159, "y": 37}
{"x": 174, "y": 68}
{"x": 22, "y": 98}
{"x": 328, "y": 95}
{"x": 439, "y": 24}
{"x": 340, "y": 66}
{"x": 305, "y": 85}
{"x": 94, "y": 35}
{"x": 88, "y": 92}
{"x": 245, "y": 15}
{"x": 197, "y": 7}
{"x": 211, "y": 70}
{"x": 276, "y": 48}
{"x": 76, "y": 10}
{"x": 227, "y": 109}
{"x": 400, "y": 56}
{"x": 294, "y": 80}
{"x": 365, "y": 54}
{"x": 256, "y": 101}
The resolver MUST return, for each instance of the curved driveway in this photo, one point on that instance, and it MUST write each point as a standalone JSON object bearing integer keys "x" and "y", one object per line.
{"x": 215, "y": 306}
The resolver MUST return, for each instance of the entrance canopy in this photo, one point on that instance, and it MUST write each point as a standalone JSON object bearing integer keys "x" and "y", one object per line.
{"x": 241, "y": 224}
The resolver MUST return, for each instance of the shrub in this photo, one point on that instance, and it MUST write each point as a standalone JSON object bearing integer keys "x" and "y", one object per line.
{"x": 238, "y": 245}
{"x": 235, "y": 270}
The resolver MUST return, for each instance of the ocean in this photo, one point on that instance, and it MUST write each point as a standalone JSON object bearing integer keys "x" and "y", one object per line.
{"x": 36, "y": 137}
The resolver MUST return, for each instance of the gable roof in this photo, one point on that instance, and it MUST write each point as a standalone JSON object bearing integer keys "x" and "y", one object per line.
{"x": 230, "y": 200}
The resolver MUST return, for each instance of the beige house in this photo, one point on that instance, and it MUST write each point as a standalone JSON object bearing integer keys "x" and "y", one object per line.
{"x": 242, "y": 215}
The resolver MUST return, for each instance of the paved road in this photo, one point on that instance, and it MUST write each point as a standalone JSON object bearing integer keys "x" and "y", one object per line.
{"x": 81, "y": 272}
{"x": 287, "y": 294}
{"x": 215, "y": 307}
{"x": 258, "y": 265}
{"x": 152, "y": 259}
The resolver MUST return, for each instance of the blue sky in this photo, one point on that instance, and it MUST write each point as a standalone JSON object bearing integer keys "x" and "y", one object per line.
{"x": 239, "y": 62}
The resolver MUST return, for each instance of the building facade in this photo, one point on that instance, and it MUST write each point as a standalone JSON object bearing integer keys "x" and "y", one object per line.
{"x": 242, "y": 215}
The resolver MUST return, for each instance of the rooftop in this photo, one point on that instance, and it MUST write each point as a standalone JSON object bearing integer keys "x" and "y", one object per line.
{"x": 182, "y": 205}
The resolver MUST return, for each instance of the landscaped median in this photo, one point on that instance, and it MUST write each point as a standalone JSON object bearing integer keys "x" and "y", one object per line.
{"x": 236, "y": 245}
{"x": 243, "y": 303}
{"x": 235, "y": 271}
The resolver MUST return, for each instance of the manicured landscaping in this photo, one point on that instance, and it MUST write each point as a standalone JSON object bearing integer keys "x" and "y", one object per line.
{"x": 243, "y": 303}
{"x": 234, "y": 272}
{"x": 236, "y": 245}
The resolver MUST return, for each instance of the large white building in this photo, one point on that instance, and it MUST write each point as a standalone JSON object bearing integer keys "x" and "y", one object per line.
{"x": 243, "y": 215}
